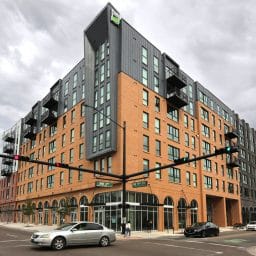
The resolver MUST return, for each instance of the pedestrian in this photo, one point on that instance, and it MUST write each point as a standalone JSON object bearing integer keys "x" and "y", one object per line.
{"x": 128, "y": 229}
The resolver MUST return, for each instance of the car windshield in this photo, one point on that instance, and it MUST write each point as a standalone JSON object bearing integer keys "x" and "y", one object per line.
{"x": 66, "y": 226}
{"x": 198, "y": 224}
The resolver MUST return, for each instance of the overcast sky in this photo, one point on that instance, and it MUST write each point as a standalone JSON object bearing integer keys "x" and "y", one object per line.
{"x": 214, "y": 41}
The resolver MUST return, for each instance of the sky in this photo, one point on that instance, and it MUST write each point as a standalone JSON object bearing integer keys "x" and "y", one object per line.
{"x": 214, "y": 42}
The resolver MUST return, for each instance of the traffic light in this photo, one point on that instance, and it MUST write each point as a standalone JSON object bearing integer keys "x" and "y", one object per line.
{"x": 61, "y": 165}
{"x": 226, "y": 150}
{"x": 181, "y": 160}
{"x": 21, "y": 158}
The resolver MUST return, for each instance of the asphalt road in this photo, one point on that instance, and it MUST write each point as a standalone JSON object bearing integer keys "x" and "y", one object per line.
{"x": 237, "y": 243}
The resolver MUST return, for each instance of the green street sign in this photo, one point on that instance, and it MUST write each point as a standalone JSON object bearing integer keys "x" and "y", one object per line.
{"x": 102, "y": 184}
{"x": 139, "y": 184}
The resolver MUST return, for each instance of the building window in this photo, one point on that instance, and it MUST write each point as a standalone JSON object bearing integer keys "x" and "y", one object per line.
{"x": 81, "y": 151}
{"x": 66, "y": 88}
{"x": 107, "y": 139}
{"x": 102, "y": 73}
{"x": 30, "y": 187}
{"x": 173, "y": 153}
{"x": 52, "y": 146}
{"x": 63, "y": 140}
{"x": 62, "y": 157}
{"x": 75, "y": 80}
{"x": 173, "y": 114}
{"x": 71, "y": 155}
{"x": 193, "y": 142}
{"x": 72, "y": 135}
{"x": 73, "y": 116}
{"x": 101, "y": 119}
{"x": 173, "y": 133}
{"x": 102, "y": 51}
{"x": 208, "y": 182}
{"x": 174, "y": 175}
{"x": 108, "y": 72}
{"x": 108, "y": 91}
{"x": 109, "y": 164}
{"x": 95, "y": 121}
{"x": 30, "y": 172}
{"x": 50, "y": 181}
{"x": 94, "y": 145}
{"x": 206, "y": 147}
{"x": 205, "y": 131}
{"x": 101, "y": 141}
{"x": 80, "y": 174}
{"x": 101, "y": 95}
{"x": 82, "y": 110}
{"x": 145, "y": 120}
{"x": 146, "y": 166}
{"x": 145, "y": 97}
{"x": 157, "y": 104}
{"x": 74, "y": 98}
{"x": 70, "y": 176}
{"x": 157, "y": 125}
{"x": 204, "y": 114}
{"x": 107, "y": 115}
{"x": 192, "y": 125}
{"x": 186, "y": 121}
{"x": 102, "y": 165}
{"x": 158, "y": 148}
{"x": 158, "y": 172}
{"x": 188, "y": 181}
{"x": 96, "y": 99}
{"x": 207, "y": 165}
{"x": 194, "y": 180}
{"x": 156, "y": 64}
{"x": 144, "y": 76}
{"x": 83, "y": 91}
{"x": 82, "y": 130}
{"x": 186, "y": 139}
{"x": 145, "y": 143}
{"x": 96, "y": 77}
{"x": 51, "y": 161}
{"x": 144, "y": 56}
{"x": 61, "y": 178}
{"x": 156, "y": 84}
{"x": 65, "y": 104}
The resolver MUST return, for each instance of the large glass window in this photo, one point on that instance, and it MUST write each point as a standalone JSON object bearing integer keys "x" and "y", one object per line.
{"x": 174, "y": 175}
{"x": 144, "y": 76}
{"x": 173, "y": 153}
{"x": 145, "y": 143}
{"x": 75, "y": 80}
{"x": 145, "y": 97}
{"x": 158, "y": 148}
{"x": 144, "y": 56}
{"x": 208, "y": 182}
{"x": 173, "y": 133}
{"x": 157, "y": 126}
{"x": 145, "y": 120}
{"x": 156, "y": 64}
{"x": 182, "y": 207}
{"x": 168, "y": 213}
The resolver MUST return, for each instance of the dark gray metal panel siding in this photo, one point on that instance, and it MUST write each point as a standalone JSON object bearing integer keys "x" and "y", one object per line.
{"x": 131, "y": 56}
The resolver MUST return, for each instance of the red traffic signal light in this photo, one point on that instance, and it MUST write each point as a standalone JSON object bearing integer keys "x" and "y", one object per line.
{"x": 21, "y": 158}
{"x": 61, "y": 165}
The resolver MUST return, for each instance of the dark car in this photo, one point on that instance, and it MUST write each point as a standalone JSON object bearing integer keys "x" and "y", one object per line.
{"x": 202, "y": 229}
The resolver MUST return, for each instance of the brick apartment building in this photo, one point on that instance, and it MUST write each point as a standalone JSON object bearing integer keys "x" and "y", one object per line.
{"x": 125, "y": 78}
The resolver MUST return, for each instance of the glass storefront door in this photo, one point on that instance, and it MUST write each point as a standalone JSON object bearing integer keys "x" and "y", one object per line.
{"x": 99, "y": 216}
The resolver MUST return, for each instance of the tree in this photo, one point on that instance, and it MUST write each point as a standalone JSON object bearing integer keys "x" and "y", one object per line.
{"x": 28, "y": 209}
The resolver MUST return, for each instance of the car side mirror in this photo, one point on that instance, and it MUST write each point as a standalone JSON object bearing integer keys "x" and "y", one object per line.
{"x": 74, "y": 229}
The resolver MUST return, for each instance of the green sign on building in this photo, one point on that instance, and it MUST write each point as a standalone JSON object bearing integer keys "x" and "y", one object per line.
{"x": 115, "y": 17}
{"x": 138, "y": 184}
{"x": 102, "y": 184}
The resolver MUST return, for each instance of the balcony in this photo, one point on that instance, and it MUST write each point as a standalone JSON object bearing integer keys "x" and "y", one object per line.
{"x": 6, "y": 171}
{"x": 30, "y": 119}
{"x": 233, "y": 162}
{"x": 9, "y": 148}
{"x": 49, "y": 102}
{"x": 30, "y": 133}
{"x": 177, "y": 98}
{"x": 175, "y": 81}
{"x": 7, "y": 161}
{"x": 9, "y": 137}
{"x": 48, "y": 117}
{"x": 231, "y": 135}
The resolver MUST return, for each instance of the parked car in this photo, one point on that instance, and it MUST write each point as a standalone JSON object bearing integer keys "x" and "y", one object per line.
{"x": 202, "y": 229}
{"x": 251, "y": 225}
{"x": 79, "y": 233}
{"x": 239, "y": 226}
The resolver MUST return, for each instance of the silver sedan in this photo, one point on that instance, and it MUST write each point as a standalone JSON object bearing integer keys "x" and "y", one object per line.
{"x": 79, "y": 233}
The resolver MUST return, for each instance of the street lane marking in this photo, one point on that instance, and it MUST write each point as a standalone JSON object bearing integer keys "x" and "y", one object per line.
{"x": 224, "y": 245}
{"x": 6, "y": 241}
{"x": 184, "y": 247}
{"x": 11, "y": 235}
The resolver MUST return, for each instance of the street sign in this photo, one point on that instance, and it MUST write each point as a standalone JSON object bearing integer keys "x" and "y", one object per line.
{"x": 139, "y": 184}
{"x": 102, "y": 184}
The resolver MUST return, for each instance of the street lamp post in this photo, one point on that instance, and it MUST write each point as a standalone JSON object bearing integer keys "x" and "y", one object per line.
{"x": 123, "y": 176}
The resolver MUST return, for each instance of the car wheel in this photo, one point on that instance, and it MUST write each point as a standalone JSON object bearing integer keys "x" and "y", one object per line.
{"x": 203, "y": 234}
{"x": 58, "y": 243}
{"x": 104, "y": 241}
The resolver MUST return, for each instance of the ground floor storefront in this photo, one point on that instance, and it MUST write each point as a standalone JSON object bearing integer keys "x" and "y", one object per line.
{"x": 143, "y": 210}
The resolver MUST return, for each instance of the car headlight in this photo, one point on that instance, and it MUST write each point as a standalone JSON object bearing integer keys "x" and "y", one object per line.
{"x": 45, "y": 236}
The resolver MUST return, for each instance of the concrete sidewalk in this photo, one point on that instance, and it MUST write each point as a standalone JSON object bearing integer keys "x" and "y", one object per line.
{"x": 134, "y": 235}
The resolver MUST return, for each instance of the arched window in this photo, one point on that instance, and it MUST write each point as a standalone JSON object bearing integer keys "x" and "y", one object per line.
{"x": 168, "y": 213}
{"x": 83, "y": 208}
{"x": 182, "y": 206}
{"x": 194, "y": 211}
